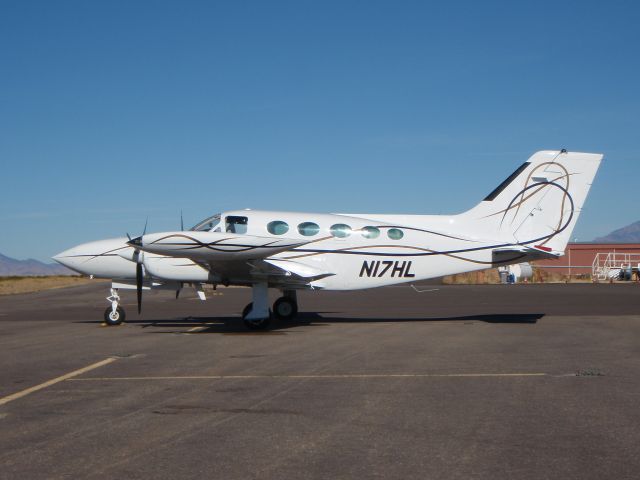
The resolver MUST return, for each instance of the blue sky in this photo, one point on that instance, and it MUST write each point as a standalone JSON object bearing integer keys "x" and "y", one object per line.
{"x": 112, "y": 112}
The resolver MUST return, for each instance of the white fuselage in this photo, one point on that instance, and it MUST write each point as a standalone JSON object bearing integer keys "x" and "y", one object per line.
{"x": 371, "y": 251}
{"x": 528, "y": 216}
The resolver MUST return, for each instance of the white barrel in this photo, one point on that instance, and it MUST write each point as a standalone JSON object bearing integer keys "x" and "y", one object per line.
{"x": 521, "y": 271}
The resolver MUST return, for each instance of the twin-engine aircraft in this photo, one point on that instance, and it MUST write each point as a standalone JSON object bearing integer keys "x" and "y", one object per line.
{"x": 527, "y": 217}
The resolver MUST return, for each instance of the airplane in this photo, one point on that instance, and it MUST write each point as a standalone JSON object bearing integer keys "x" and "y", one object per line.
{"x": 529, "y": 216}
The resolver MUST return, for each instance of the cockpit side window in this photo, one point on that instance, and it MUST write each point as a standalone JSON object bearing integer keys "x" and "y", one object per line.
{"x": 207, "y": 225}
{"x": 236, "y": 224}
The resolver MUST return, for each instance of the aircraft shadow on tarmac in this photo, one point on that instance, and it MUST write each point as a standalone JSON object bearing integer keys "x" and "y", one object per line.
{"x": 235, "y": 324}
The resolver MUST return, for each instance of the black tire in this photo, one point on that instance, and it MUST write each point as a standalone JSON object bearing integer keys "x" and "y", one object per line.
{"x": 285, "y": 309}
{"x": 114, "y": 318}
{"x": 257, "y": 324}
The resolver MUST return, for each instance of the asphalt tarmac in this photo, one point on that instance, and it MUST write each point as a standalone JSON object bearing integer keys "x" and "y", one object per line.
{"x": 455, "y": 382}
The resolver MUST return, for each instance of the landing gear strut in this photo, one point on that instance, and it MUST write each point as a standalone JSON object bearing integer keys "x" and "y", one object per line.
{"x": 114, "y": 315}
{"x": 256, "y": 324}
{"x": 256, "y": 315}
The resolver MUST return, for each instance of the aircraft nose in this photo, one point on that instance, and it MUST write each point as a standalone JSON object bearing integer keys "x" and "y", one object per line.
{"x": 59, "y": 257}
{"x": 69, "y": 258}
{"x": 101, "y": 259}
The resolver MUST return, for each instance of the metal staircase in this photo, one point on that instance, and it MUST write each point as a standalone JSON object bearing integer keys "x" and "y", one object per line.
{"x": 607, "y": 266}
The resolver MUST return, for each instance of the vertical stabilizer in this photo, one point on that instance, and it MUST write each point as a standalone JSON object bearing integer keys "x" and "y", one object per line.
{"x": 539, "y": 204}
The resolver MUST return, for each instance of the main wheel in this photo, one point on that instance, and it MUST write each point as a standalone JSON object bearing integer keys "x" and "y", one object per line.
{"x": 114, "y": 318}
{"x": 255, "y": 324}
{"x": 285, "y": 308}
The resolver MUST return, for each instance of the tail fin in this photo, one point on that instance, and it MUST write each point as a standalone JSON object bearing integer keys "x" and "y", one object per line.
{"x": 539, "y": 204}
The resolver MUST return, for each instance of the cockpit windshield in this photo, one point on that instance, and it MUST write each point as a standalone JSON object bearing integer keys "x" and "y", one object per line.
{"x": 207, "y": 225}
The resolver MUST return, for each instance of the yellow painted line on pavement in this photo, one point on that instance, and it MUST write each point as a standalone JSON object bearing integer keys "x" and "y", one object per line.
{"x": 329, "y": 376}
{"x": 53, "y": 381}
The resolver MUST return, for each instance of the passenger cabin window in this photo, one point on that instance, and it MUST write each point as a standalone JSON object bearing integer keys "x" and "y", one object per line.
{"x": 277, "y": 227}
{"x": 236, "y": 224}
{"x": 308, "y": 229}
{"x": 395, "y": 234}
{"x": 340, "y": 230}
{"x": 207, "y": 225}
{"x": 370, "y": 232}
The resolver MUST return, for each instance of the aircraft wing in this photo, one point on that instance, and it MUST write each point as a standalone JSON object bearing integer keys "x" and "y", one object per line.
{"x": 285, "y": 272}
{"x": 233, "y": 256}
{"x": 298, "y": 270}
{"x": 213, "y": 246}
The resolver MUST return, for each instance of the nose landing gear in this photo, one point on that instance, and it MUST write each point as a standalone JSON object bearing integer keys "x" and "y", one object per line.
{"x": 114, "y": 315}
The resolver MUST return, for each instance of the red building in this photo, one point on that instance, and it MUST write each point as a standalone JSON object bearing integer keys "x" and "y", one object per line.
{"x": 579, "y": 258}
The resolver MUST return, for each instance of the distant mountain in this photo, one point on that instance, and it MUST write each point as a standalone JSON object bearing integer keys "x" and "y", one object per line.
{"x": 11, "y": 266}
{"x": 628, "y": 234}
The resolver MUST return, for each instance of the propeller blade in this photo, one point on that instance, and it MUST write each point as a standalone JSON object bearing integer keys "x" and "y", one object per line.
{"x": 181, "y": 222}
{"x": 128, "y": 236}
{"x": 139, "y": 278}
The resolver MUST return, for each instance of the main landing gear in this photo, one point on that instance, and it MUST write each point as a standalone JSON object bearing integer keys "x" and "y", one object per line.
{"x": 259, "y": 317}
{"x": 286, "y": 307}
{"x": 114, "y": 314}
{"x": 256, "y": 315}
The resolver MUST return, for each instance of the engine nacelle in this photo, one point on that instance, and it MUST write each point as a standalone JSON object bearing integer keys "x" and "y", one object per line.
{"x": 177, "y": 269}
{"x": 128, "y": 253}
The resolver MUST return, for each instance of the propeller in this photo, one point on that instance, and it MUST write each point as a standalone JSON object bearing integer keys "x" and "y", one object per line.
{"x": 136, "y": 243}
{"x": 139, "y": 278}
{"x": 181, "y": 222}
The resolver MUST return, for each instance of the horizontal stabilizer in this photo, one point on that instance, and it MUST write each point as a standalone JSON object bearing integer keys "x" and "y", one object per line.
{"x": 532, "y": 253}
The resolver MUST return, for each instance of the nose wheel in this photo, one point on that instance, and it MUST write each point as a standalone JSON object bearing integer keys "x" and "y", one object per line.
{"x": 114, "y": 314}
{"x": 114, "y": 317}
